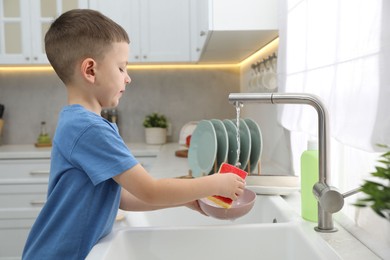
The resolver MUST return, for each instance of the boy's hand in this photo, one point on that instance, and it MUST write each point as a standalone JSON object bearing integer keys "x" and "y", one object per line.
{"x": 230, "y": 185}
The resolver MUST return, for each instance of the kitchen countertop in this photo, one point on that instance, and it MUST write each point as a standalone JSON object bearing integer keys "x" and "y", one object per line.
{"x": 167, "y": 165}
{"x": 29, "y": 151}
{"x": 342, "y": 241}
{"x": 24, "y": 152}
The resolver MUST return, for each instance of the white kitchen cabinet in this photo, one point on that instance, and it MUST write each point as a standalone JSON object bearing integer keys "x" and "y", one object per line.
{"x": 23, "y": 25}
{"x": 228, "y": 31}
{"x": 165, "y": 30}
{"x": 199, "y": 27}
{"x": 159, "y": 31}
{"x": 23, "y": 189}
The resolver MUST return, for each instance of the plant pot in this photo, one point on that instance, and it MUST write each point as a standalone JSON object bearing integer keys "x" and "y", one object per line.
{"x": 155, "y": 135}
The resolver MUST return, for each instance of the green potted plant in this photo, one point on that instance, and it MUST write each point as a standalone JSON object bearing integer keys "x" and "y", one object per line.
{"x": 378, "y": 192}
{"x": 155, "y": 128}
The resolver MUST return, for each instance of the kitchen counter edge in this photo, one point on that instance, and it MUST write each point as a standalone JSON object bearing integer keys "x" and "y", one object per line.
{"x": 29, "y": 151}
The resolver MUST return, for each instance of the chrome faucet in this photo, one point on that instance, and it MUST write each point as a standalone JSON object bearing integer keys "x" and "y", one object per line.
{"x": 330, "y": 200}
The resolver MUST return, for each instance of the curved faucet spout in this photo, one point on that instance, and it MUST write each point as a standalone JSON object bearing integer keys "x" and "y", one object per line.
{"x": 321, "y": 190}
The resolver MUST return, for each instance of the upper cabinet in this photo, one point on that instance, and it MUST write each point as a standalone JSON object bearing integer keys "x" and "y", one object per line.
{"x": 23, "y": 25}
{"x": 228, "y": 31}
{"x": 199, "y": 27}
{"x": 200, "y": 31}
{"x": 190, "y": 31}
{"x": 159, "y": 31}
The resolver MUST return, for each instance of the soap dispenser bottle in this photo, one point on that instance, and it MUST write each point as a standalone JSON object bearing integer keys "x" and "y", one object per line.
{"x": 43, "y": 138}
{"x": 309, "y": 177}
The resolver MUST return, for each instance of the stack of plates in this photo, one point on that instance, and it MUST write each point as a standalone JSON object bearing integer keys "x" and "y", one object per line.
{"x": 215, "y": 141}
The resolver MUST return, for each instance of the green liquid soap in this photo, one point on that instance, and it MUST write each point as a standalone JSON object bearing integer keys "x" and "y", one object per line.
{"x": 309, "y": 176}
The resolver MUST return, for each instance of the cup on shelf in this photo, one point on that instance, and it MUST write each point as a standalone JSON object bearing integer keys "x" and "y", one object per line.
{"x": 260, "y": 76}
{"x": 269, "y": 79}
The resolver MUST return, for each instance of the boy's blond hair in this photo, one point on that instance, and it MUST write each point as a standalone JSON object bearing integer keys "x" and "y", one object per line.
{"x": 79, "y": 34}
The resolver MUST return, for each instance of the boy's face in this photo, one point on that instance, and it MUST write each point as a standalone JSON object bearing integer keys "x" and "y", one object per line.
{"x": 111, "y": 75}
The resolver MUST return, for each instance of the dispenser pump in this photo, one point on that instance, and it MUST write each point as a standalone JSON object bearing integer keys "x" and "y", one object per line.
{"x": 312, "y": 145}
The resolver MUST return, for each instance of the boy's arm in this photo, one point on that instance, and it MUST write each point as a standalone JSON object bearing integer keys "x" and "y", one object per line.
{"x": 174, "y": 192}
{"x": 129, "y": 202}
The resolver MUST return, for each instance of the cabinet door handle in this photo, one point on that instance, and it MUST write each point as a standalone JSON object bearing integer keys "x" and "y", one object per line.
{"x": 37, "y": 203}
{"x": 43, "y": 172}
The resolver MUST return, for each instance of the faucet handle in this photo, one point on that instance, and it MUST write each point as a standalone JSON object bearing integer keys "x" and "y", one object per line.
{"x": 329, "y": 198}
{"x": 352, "y": 192}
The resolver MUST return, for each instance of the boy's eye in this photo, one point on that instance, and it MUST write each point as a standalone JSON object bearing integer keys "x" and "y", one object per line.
{"x": 120, "y": 69}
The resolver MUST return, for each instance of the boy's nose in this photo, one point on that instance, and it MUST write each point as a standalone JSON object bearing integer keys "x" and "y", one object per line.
{"x": 127, "y": 79}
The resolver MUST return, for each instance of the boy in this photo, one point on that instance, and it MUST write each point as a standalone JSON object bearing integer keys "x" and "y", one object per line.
{"x": 92, "y": 171}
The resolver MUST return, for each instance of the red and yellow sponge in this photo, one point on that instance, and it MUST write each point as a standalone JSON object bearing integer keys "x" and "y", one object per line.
{"x": 227, "y": 168}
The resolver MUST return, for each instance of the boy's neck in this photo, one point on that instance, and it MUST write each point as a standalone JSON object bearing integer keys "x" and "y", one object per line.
{"x": 75, "y": 96}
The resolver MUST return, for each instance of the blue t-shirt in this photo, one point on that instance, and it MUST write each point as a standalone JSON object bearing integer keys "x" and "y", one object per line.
{"x": 82, "y": 199}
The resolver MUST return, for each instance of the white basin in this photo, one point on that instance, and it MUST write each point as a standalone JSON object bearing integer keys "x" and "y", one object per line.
{"x": 254, "y": 241}
{"x": 267, "y": 209}
{"x": 180, "y": 233}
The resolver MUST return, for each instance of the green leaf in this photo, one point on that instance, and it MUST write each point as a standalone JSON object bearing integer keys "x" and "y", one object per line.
{"x": 378, "y": 194}
{"x": 155, "y": 120}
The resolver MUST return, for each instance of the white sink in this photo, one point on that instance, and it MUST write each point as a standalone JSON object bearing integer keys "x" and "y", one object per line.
{"x": 271, "y": 230}
{"x": 267, "y": 209}
{"x": 253, "y": 241}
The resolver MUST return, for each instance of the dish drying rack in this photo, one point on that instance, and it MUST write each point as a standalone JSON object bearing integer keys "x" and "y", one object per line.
{"x": 215, "y": 169}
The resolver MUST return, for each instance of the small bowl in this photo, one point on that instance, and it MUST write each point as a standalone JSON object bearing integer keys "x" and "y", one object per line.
{"x": 239, "y": 208}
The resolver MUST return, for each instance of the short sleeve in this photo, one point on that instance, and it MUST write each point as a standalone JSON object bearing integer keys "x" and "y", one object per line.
{"x": 101, "y": 153}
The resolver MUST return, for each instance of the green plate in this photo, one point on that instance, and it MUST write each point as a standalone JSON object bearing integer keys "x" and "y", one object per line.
{"x": 232, "y": 137}
{"x": 203, "y": 149}
{"x": 257, "y": 143}
{"x": 222, "y": 141}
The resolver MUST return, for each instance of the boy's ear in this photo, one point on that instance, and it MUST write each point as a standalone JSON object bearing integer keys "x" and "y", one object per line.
{"x": 88, "y": 69}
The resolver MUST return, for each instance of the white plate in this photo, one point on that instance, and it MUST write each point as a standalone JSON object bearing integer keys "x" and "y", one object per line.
{"x": 232, "y": 136}
{"x": 222, "y": 141}
{"x": 203, "y": 149}
{"x": 257, "y": 143}
{"x": 187, "y": 130}
{"x": 245, "y": 143}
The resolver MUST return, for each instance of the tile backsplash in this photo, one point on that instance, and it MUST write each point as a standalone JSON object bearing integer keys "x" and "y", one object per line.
{"x": 181, "y": 94}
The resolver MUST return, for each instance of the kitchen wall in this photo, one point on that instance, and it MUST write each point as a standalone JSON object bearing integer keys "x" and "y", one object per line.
{"x": 181, "y": 94}
{"x": 276, "y": 153}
